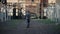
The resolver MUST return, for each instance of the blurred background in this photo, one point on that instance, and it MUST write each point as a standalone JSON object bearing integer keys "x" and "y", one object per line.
{"x": 45, "y": 16}
{"x": 40, "y": 9}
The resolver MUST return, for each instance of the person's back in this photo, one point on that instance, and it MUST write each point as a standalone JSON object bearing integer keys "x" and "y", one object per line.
{"x": 27, "y": 15}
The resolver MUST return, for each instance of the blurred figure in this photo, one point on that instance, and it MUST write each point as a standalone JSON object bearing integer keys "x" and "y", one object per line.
{"x": 28, "y": 18}
{"x": 20, "y": 13}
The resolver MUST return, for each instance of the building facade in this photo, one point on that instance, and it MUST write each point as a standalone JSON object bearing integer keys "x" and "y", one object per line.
{"x": 34, "y": 6}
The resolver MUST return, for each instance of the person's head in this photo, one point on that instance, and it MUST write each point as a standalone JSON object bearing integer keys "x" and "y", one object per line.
{"x": 27, "y": 11}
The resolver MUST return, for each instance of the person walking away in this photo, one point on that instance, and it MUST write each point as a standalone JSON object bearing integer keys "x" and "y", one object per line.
{"x": 28, "y": 18}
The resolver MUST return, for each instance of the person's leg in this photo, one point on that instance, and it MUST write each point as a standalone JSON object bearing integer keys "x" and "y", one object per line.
{"x": 28, "y": 23}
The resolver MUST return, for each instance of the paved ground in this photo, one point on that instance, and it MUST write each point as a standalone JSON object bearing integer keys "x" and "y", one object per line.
{"x": 35, "y": 28}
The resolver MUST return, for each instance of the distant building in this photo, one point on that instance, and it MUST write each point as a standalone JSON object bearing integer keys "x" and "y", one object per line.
{"x": 34, "y": 6}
